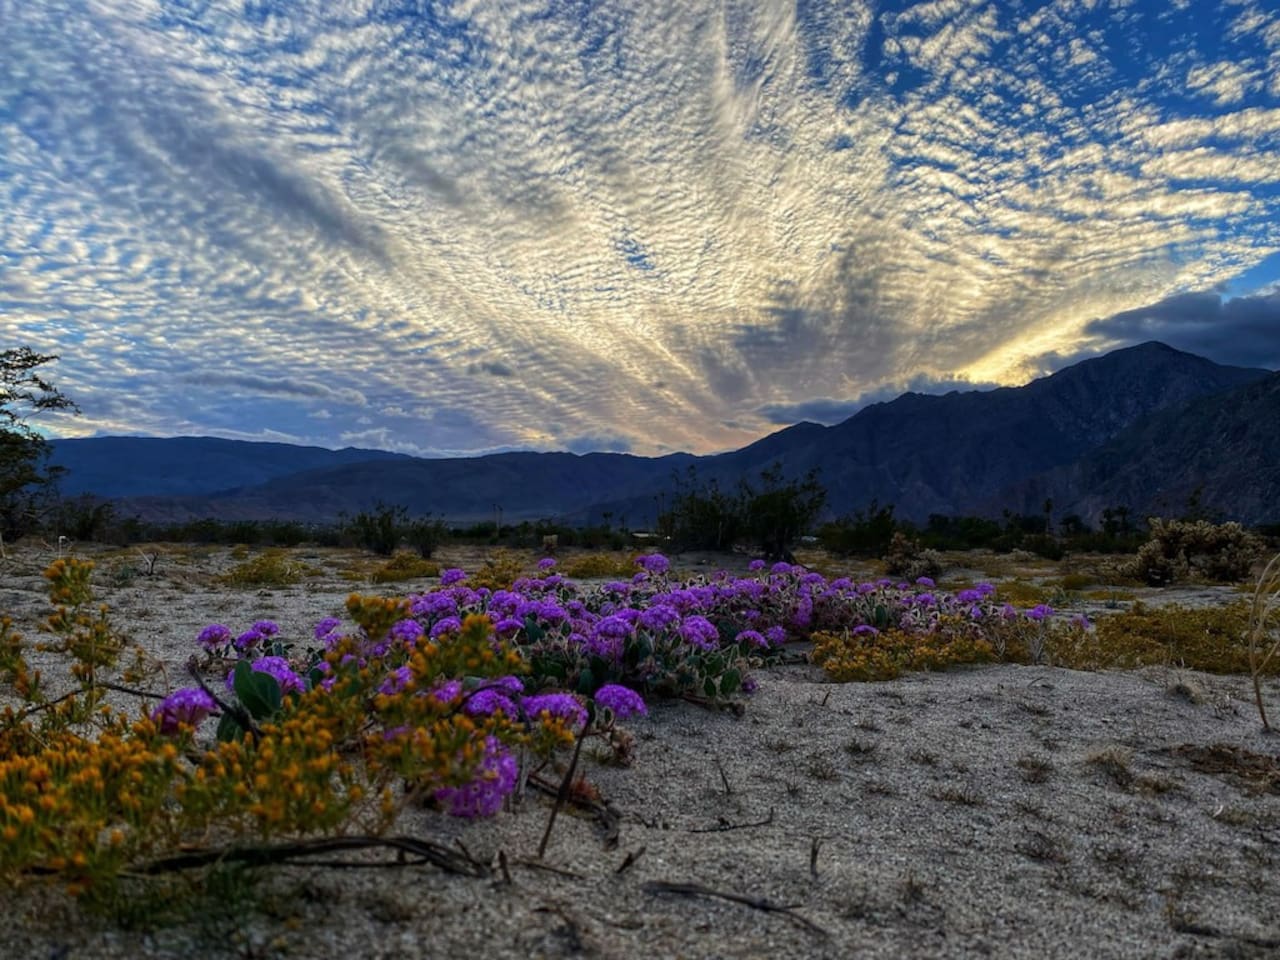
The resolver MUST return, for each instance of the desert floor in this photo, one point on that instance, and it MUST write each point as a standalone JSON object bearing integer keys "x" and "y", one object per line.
{"x": 1006, "y": 811}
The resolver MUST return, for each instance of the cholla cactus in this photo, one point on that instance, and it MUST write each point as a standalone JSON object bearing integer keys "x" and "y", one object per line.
{"x": 1186, "y": 549}
{"x": 907, "y": 559}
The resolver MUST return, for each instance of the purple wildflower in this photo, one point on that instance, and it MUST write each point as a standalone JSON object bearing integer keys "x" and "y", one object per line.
{"x": 483, "y": 795}
{"x": 865, "y": 630}
{"x": 925, "y": 582}
{"x": 488, "y": 701}
{"x": 448, "y": 691}
{"x": 658, "y": 617}
{"x": 325, "y": 628}
{"x": 776, "y": 636}
{"x": 267, "y": 628}
{"x": 654, "y": 563}
{"x": 1040, "y": 612}
{"x": 451, "y": 576}
{"x": 561, "y": 706}
{"x": 508, "y": 627}
{"x": 248, "y": 640}
{"x": 700, "y": 632}
{"x": 214, "y": 636}
{"x": 396, "y": 681}
{"x": 447, "y": 625}
{"x": 546, "y": 563}
{"x": 623, "y": 701}
{"x": 407, "y": 632}
{"x": 755, "y": 565}
{"x": 188, "y": 705}
{"x": 753, "y": 637}
{"x": 279, "y": 668}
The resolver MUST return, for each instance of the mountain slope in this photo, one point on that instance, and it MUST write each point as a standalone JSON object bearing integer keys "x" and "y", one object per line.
{"x": 962, "y": 453}
{"x": 1224, "y": 450}
{"x": 185, "y": 466}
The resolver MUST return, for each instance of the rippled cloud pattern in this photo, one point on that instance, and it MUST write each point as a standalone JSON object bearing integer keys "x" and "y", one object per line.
{"x": 665, "y": 225}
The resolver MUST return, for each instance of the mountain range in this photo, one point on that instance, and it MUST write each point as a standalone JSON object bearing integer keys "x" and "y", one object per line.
{"x": 1145, "y": 427}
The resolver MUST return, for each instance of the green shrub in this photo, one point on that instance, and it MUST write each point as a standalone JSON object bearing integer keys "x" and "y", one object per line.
{"x": 598, "y": 566}
{"x": 272, "y": 568}
{"x": 404, "y": 565}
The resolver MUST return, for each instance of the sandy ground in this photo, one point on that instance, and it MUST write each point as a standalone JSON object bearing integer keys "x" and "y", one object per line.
{"x": 1003, "y": 811}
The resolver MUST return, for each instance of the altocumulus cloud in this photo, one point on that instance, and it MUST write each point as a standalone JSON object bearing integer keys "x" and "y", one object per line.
{"x": 644, "y": 225}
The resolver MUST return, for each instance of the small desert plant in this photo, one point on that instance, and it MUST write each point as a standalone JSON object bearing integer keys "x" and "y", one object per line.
{"x": 498, "y": 572}
{"x": 404, "y": 565}
{"x": 596, "y": 566}
{"x": 272, "y": 568}
{"x": 1264, "y": 631}
{"x": 907, "y": 559}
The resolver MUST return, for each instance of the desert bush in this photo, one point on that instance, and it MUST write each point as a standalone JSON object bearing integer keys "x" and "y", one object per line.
{"x": 866, "y": 533}
{"x": 1179, "y": 550}
{"x": 498, "y": 572}
{"x": 378, "y": 530}
{"x": 595, "y": 566}
{"x": 907, "y": 559}
{"x": 404, "y": 565}
{"x": 271, "y": 568}
{"x": 425, "y": 534}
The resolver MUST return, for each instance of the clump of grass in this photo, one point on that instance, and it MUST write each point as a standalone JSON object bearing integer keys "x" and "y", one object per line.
{"x": 1035, "y": 769}
{"x": 1115, "y": 763}
{"x": 1024, "y": 593}
{"x": 272, "y": 568}
{"x": 598, "y": 566}
{"x": 404, "y": 565}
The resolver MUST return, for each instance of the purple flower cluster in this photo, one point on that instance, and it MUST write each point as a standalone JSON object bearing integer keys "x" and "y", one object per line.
{"x": 214, "y": 637}
{"x": 623, "y": 701}
{"x": 186, "y": 706}
{"x": 482, "y": 796}
{"x": 279, "y": 668}
{"x": 558, "y": 706}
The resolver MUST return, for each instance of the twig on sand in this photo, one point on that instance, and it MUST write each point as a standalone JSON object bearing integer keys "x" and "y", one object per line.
{"x": 724, "y": 825}
{"x": 755, "y": 903}
{"x": 422, "y": 851}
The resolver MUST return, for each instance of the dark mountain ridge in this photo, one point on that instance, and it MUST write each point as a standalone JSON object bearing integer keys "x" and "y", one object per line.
{"x": 962, "y": 453}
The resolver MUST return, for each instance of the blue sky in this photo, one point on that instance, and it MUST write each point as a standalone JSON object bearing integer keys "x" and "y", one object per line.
{"x": 454, "y": 228}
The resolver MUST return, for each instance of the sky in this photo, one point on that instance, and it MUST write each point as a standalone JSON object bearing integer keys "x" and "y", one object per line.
{"x": 635, "y": 225}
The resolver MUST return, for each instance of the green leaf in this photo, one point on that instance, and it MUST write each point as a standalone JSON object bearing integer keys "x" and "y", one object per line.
{"x": 709, "y": 687}
{"x": 259, "y": 693}
{"x": 229, "y": 729}
{"x": 730, "y": 682}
